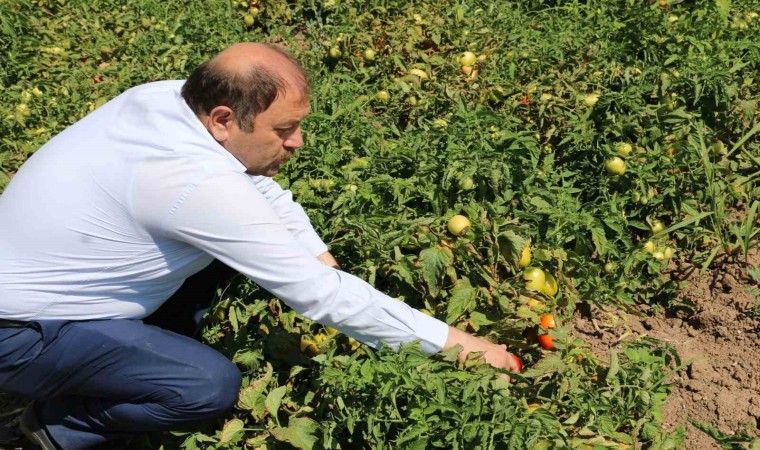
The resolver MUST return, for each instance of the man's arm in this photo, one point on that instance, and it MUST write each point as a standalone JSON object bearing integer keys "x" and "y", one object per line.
{"x": 292, "y": 216}
{"x": 254, "y": 241}
{"x": 327, "y": 259}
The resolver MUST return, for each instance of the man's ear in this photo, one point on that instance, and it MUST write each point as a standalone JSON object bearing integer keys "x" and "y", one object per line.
{"x": 219, "y": 121}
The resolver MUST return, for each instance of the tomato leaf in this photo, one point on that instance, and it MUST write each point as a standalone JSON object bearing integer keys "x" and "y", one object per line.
{"x": 724, "y": 6}
{"x": 300, "y": 433}
{"x": 614, "y": 367}
{"x": 510, "y": 245}
{"x": 462, "y": 300}
{"x": 274, "y": 399}
{"x": 251, "y": 399}
{"x": 434, "y": 262}
{"x": 232, "y": 432}
{"x": 548, "y": 365}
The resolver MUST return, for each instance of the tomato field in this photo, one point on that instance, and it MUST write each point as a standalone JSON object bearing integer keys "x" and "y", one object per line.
{"x": 503, "y": 166}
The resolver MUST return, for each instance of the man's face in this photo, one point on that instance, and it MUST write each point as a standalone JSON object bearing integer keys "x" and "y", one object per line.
{"x": 275, "y": 137}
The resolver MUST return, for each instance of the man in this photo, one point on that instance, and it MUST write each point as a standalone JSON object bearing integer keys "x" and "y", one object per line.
{"x": 105, "y": 222}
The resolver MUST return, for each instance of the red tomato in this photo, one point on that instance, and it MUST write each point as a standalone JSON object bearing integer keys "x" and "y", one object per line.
{"x": 517, "y": 362}
{"x": 546, "y": 341}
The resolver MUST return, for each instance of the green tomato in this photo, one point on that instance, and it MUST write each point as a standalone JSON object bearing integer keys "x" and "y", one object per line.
{"x": 535, "y": 278}
{"x": 468, "y": 59}
{"x": 369, "y": 54}
{"x": 459, "y": 225}
{"x": 615, "y": 165}
{"x": 590, "y": 99}
{"x": 718, "y": 148}
{"x": 466, "y": 184}
{"x": 440, "y": 124}
{"x": 624, "y": 149}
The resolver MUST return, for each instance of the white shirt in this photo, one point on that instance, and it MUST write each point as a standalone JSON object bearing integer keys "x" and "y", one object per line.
{"x": 107, "y": 220}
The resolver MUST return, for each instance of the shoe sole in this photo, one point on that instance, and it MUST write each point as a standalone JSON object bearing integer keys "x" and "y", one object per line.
{"x": 33, "y": 431}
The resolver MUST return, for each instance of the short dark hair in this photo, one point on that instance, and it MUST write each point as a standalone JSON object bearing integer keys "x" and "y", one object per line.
{"x": 247, "y": 93}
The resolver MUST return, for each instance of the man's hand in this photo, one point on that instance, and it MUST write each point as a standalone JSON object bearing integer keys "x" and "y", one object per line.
{"x": 327, "y": 259}
{"x": 494, "y": 354}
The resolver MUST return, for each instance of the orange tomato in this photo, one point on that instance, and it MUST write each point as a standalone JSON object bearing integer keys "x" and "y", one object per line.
{"x": 547, "y": 322}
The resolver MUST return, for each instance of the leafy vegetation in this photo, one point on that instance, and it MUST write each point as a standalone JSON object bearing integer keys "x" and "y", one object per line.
{"x": 404, "y": 135}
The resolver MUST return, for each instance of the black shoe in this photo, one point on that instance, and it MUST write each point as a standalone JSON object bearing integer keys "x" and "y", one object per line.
{"x": 11, "y": 436}
{"x": 34, "y": 431}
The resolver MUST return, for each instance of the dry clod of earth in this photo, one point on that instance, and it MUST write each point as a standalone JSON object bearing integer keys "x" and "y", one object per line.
{"x": 722, "y": 385}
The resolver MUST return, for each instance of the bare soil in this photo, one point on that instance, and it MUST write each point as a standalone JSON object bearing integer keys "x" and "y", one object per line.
{"x": 720, "y": 335}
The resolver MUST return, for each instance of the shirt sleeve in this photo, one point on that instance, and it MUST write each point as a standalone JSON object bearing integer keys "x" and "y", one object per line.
{"x": 290, "y": 213}
{"x": 229, "y": 218}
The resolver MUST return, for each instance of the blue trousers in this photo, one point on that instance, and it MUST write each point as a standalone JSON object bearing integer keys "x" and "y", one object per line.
{"x": 101, "y": 380}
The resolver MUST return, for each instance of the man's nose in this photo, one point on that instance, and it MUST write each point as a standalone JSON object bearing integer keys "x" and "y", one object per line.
{"x": 295, "y": 140}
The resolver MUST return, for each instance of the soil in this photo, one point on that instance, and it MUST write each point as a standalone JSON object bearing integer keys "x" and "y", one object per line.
{"x": 720, "y": 335}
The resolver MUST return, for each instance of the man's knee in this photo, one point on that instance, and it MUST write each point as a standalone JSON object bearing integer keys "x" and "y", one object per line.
{"x": 214, "y": 392}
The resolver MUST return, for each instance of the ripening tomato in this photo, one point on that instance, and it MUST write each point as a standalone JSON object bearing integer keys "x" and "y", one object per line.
{"x": 309, "y": 346}
{"x": 547, "y": 322}
{"x": 546, "y": 341}
{"x": 534, "y": 304}
{"x": 550, "y": 286}
{"x": 533, "y": 407}
{"x": 354, "y": 344}
{"x": 419, "y": 73}
{"x": 525, "y": 257}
